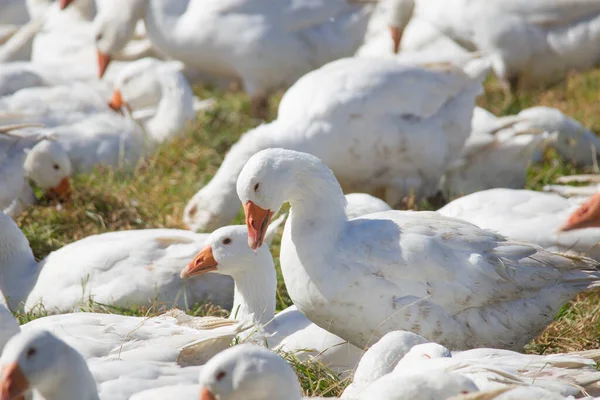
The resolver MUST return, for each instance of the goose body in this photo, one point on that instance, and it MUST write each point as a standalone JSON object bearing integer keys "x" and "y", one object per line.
{"x": 94, "y": 269}
{"x": 440, "y": 277}
{"x": 328, "y": 111}
{"x": 530, "y": 43}
{"x": 528, "y": 216}
{"x": 249, "y": 372}
{"x": 173, "y": 337}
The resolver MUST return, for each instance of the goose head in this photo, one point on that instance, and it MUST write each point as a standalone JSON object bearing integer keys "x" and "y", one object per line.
{"x": 399, "y": 16}
{"x": 49, "y": 166}
{"x": 248, "y": 372}
{"x": 420, "y": 352}
{"x": 114, "y": 25}
{"x": 381, "y": 358}
{"x": 227, "y": 252}
{"x": 39, "y": 360}
{"x": 268, "y": 180}
{"x": 137, "y": 85}
{"x": 586, "y": 216}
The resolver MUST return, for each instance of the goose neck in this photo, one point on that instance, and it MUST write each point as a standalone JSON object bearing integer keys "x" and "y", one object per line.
{"x": 18, "y": 267}
{"x": 175, "y": 108}
{"x": 72, "y": 382}
{"x": 254, "y": 293}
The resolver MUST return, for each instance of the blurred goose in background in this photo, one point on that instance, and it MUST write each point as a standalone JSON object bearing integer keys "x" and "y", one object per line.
{"x": 530, "y": 43}
{"x": 84, "y": 121}
{"x": 42, "y": 160}
{"x": 173, "y": 337}
{"x": 124, "y": 269}
{"x": 412, "y": 140}
{"x": 496, "y": 154}
{"x": 227, "y": 252}
{"x": 528, "y": 216}
{"x": 291, "y": 38}
{"x": 386, "y": 31}
{"x": 500, "y": 149}
{"x": 443, "y": 278}
{"x": 564, "y": 188}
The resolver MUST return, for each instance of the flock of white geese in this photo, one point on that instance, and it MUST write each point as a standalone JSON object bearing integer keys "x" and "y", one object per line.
{"x": 379, "y": 107}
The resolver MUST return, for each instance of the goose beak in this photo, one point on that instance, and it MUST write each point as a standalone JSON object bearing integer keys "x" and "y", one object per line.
{"x": 13, "y": 383}
{"x": 117, "y": 102}
{"x": 586, "y": 216}
{"x": 203, "y": 262}
{"x": 103, "y": 61}
{"x": 396, "y": 37}
{"x": 64, "y": 4}
{"x": 62, "y": 191}
{"x": 257, "y": 221}
{"x": 205, "y": 394}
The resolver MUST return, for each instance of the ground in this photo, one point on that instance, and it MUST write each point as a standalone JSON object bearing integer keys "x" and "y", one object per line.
{"x": 155, "y": 194}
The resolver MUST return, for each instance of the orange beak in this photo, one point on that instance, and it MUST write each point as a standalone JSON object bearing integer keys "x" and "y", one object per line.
{"x": 62, "y": 191}
{"x": 13, "y": 384}
{"x": 203, "y": 262}
{"x": 116, "y": 101}
{"x": 396, "y": 38}
{"x": 205, "y": 394}
{"x": 257, "y": 221}
{"x": 103, "y": 61}
{"x": 64, "y": 4}
{"x": 586, "y": 216}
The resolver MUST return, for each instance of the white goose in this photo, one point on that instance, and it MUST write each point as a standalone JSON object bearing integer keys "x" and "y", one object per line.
{"x": 568, "y": 374}
{"x": 254, "y": 373}
{"x": 42, "y": 160}
{"x": 411, "y": 140}
{"x": 530, "y": 43}
{"x": 37, "y": 362}
{"x": 496, "y": 154}
{"x": 443, "y": 278}
{"x": 386, "y": 34}
{"x": 250, "y": 372}
{"x": 93, "y": 134}
{"x": 528, "y": 216}
{"x": 119, "y": 268}
{"x": 499, "y": 149}
{"x": 129, "y": 354}
{"x": 255, "y": 278}
{"x": 513, "y": 392}
{"x": 399, "y": 353}
{"x": 292, "y": 38}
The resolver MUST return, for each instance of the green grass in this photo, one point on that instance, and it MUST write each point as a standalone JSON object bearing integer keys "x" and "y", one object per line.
{"x": 155, "y": 193}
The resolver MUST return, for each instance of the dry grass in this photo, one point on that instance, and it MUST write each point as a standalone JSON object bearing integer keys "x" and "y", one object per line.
{"x": 154, "y": 195}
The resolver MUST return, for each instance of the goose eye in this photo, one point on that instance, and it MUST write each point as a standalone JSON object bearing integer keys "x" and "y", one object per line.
{"x": 98, "y": 37}
{"x": 31, "y": 352}
{"x": 226, "y": 241}
{"x": 56, "y": 167}
{"x": 220, "y": 375}
{"x": 256, "y": 187}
